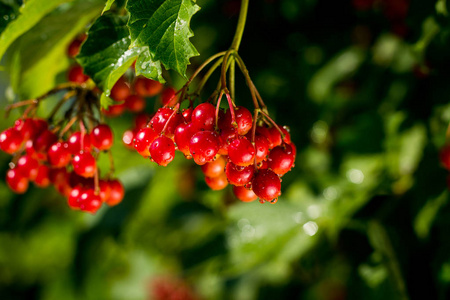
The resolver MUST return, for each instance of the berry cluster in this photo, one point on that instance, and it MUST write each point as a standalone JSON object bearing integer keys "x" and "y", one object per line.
{"x": 222, "y": 143}
{"x": 40, "y": 155}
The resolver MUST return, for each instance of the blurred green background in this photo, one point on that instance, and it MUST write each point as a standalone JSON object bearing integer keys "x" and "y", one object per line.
{"x": 364, "y": 87}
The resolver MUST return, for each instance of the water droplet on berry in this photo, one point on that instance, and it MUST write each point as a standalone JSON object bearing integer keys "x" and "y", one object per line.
{"x": 273, "y": 201}
{"x": 262, "y": 201}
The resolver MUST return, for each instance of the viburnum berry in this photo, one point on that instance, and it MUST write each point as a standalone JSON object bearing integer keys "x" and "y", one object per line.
{"x": 214, "y": 168}
{"x": 43, "y": 142}
{"x": 74, "y": 142}
{"x": 102, "y": 137}
{"x": 26, "y": 127}
{"x": 146, "y": 87}
{"x": 226, "y": 136}
{"x": 27, "y": 166}
{"x": 127, "y": 138}
{"x": 281, "y": 159}
{"x": 266, "y": 185}
{"x": 135, "y": 103}
{"x": 159, "y": 121}
{"x": 262, "y": 148}
{"x": 59, "y": 155}
{"x": 116, "y": 192}
{"x": 10, "y": 140}
{"x": 74, "y": 47}
{"x": 187, "y": 114}
{"x": 76, "y": 74}
{"x": 241, "y": 152}
{"x": 84, "y": 164}
{"x": 121, "y": 90}
{"x": 204, "y": 146}
{"x": 168, "y": 97}
{"x": 243, "y": 117}
{"x": 141, "y": 120}
{"x": 42, "y": 177}
{"x": 217, "y": 183}
{"x": 74, "y": 196}
{"x": 16, "y": 181}
{"x": 143, "y": 140}
{"x": 238, "y": 175}
{"x": 89, "y": 201}
{"x": 182, "y": 136}
{"x": 444, "y": 155}
{"x": 203, "y": 117}
{"x": 244, "y": 194}
{"x": 114, "y": 110}
{"x": 162, "y": 150}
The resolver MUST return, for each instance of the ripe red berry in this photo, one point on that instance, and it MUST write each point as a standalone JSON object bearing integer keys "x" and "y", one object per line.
{"x": 146, "y": 87}
{"x": 444, "y": 156}
{"x": 217, "y": 183}
{"x": 74, "y": 47}
{"x": 187, "y": 114}
{"x": 89, "y": 201}
{"x": 143, "y": 139}
{"x": 74, "y": 196}
{"x": 42, "y": 179}
{"x": 116, "y": 193}
{"x": 266, "y": 185}
{"x": 275, "y": 137}
{"x": 238, "y": 175}
{"x": 26, "y": 127}
{"x": 262, "y": 147}
{"x": 16, "y": 181}
{"x": 102, "y": 137}
{"x": 162, "y": 150}
{"x": 226, "y": 136}
{"x": 121, "y": 90}
{"x": 127, "y": 139}
{"x": 203, "y": 117}
{"x": 10, "y": 140}
{"x": 204, "y": 146}
{"x": 27, "y": 166}
{"x": 214, "y": 168}
{"x": 135, "y": 103}
{"x": 159, "y": 120}
{"x": 43, "y": 142}
{"x": 76, "y": 74}
{"x": 141, "y": 120}
{"x": 84, "y": 164}
{"x": 74, "y": 143}
{"x": 281, "y": 159}
{"x": 241, "y": 152}
{"x": 244, "y": 194}
{"x": 114, "y": 110}
{"x": 243, "y": 117}
{"x": 59, "y": 154}
{"x": 183, "y": 135}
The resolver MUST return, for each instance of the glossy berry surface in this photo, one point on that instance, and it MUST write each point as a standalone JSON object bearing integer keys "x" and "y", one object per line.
{"x": 102, "y": 137}
{"x": 241, "y": 152}
{"x": 214, "y": 168}
{"x": 84, "y": 164}
{"x": 59, "y": 154}
{"x": 244, "y": 194}
{"x": 143, "y": 140}
{"x": 162, "y": 150}
{"x": 238, "y": 175}
{"x": 16, "y": 181}
{"x": 217, "y": 183}
{"x": 116, "y": 192}
{"x": 204, "y": 146}
{"x": 281, "y": 159}
{"x": 28, "y": 167}
{"x": 203, "y": 117}
{"x": 266, "y": 185}
{"x": 10, "y": 140}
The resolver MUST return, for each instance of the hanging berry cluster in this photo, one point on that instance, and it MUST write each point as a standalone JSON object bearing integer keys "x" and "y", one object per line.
{"x": 250, "y": 152}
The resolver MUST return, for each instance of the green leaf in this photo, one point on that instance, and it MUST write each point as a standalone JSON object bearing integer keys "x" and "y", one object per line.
{"x": 163, "y": 26}
{"x": 44, "y": 47}
{"x": 105, "y": 55}
{"x": 31, "y": 13}
{"x": 148, "y": 67}
{"x": 107, "y": 6}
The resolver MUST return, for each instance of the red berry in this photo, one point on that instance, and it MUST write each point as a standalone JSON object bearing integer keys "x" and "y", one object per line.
{"x": 168, "y": 97}
{"x": 74, "y": 46}
{"x": 266, "y": 185}
{"x": 76, "y": 74}
{"x": 10, "y": 140}
{"x": 214, "y": 168}
{"x": 42, "y": 177}
{"x": 114, "y": 110}
{"x": 264, "y": 131}
{"x": 444, "y": 156}
{"x": 142, "y": 120}
{"x": 16, "y": 181}
{"x": 281, "y": 159}
{"x": 146, "y": 87}
{"x": 84, "y": 164}
{"x": 135, "y": 103}
{"x": 43, "y": 142}
{"x": 121, "y": 90}
{"x": 27, "y": 166}
{"x": 104, "y": 190}
{"x": 183, "y": 135}
{"x": 74, "y": 196}
{"x": 226, "y": 136}
{"x": 187, "y": 114}
{"x": 244, "y": 194}
{"x": 204, "y": 146}
{"x": 26, "y": 127}
{"x": 217, "y": 183}
{"x": 238, "y": 175}
{"x": 59, "y": 154}
{"x": 244, "y": 120}
{"x": 116, "y": 193}
{"x": 159, "y": 120}
{"x": 275, "y": 137}
{"x": 102, "y": 137}
{"x": 89, "y": 201}
{"x": 162, "y": 150}
{"x": 127, "y": 138}
{"x": 241, "y": 152}
{"x": 58, "y": 175}
{"x": 262, "y": 148}
{"x": 203, "y": 117}
{"x": 74, "y": 143}
{"x": 143, "y": 139}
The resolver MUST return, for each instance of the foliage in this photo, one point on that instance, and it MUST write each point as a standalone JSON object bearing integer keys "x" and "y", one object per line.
{"x": 363, "y": 215}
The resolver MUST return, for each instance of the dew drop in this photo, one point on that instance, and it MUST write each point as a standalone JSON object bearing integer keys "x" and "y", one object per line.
{"x": 6, "y": 17}
{"x": 273, "y": 201}
{"x": 188, "y": 156}
{"x": 262, "y": 201}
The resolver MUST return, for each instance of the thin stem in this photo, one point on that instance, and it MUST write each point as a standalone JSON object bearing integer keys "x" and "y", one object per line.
{"x": 255, "y": 118}
{"x": 66, "y": 97}
{"x": 217, "y": 109}
{"x": 231, "y": 105}
{"x": 232, "y": 78}
{"x": 240, "y": 26}
{"x": 207, "y": 75}
{"x": 10, "y": 107}
{"x": 273, "y": 123}
{"x": 175, "y": 110}
{"x": 111, "y": 163}
{"x": 223, "y": 74}
{"x": 96, "y": 182}
{"x": 67, "y": 127}
{"x": 249, "y": 81}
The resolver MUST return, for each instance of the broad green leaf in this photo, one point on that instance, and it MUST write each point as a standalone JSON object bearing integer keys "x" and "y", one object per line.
{"x": 44, "y": 47}
{"x": 31, "y": 13}
{"x": 107, "y": 6}
{"x": 105, "y": 55}
{"x": 148, "y": 67}
{"x": 163, "y": 26}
